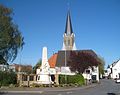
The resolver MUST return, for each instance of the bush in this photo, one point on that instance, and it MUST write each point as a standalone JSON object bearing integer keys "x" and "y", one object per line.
{"x": 72, "y": 79}
{"x": 34, "y": 85}
{"x": 7, "y": 78}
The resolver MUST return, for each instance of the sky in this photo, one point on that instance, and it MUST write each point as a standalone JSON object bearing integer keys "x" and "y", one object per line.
{"x": 95, "y": 23}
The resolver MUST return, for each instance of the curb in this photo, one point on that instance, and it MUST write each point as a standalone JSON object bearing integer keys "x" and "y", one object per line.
{"x": 22, "y": 92}
{"x": 49, "y": 90}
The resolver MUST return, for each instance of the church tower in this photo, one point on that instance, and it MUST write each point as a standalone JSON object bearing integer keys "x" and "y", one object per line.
{"x": 68, "y": 42}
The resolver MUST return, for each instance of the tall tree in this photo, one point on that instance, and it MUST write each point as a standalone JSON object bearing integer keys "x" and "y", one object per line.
{"x": 79, "y": 61}
{"x": 11, "y": 39}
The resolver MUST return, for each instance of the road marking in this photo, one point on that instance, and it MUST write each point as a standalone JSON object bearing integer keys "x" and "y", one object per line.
{"x": 69, "y": 92}
{"x": 59, "y": 94}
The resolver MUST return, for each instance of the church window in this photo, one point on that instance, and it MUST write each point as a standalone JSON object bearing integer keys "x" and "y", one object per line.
{"x": 68, "y": 41}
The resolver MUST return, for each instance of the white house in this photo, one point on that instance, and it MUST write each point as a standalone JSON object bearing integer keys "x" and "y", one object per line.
{"x": 114, "y": 70}
{"x": 92, "y": 73}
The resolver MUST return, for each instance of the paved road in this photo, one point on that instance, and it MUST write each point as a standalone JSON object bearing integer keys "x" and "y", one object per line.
{"x": 107, "y": 87}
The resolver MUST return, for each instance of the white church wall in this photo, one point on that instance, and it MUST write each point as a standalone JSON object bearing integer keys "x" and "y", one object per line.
{"x": 64, "y": 71}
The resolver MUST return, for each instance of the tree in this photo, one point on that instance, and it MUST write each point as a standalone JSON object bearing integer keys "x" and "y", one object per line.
{"x": 3, "y": 61}
{"x": 79, "y": 61}
{"x": 37, "y": 66}
{"x": 7, "y": 78}
{"x": 11, "y": 39}
{"x": 101, "y": 66}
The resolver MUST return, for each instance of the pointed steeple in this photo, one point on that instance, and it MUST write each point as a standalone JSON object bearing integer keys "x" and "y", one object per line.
{"x": 68, "y": 28}
{"x": 68, "y": 42}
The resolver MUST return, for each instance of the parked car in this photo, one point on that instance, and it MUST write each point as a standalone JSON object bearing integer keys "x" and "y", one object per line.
{"x": 117, "y": 80}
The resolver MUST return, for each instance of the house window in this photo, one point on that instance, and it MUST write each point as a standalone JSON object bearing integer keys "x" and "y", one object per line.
{"x": 111, "y": 70}
{"x": 95, "y": 69}
{"x": 119, "y": 75}
{"x": 38, "y": 77}
{"x": 105, "y": 71}
{"x": 31, "y": 78}
{"x": 87, "y": 71}
{"x": 24, "y": 77}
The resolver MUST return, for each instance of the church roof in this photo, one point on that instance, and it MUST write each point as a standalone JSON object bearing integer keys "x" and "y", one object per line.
{"x": 52, "y": 60}
{"x": 61, "y": 56}
{"x": 68, "y": 28}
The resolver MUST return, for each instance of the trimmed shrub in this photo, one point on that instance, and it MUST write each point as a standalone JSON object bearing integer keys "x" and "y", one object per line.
{"x": 72, "y": 79}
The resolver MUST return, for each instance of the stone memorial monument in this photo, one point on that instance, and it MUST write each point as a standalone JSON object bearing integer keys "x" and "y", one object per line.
{"x": 44, "y": 71}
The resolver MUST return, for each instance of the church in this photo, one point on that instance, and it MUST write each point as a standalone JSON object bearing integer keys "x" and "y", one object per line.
{"x": 58, "y": 63}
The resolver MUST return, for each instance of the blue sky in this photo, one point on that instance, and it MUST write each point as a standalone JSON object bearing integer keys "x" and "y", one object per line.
{"x": 96, "y": 24}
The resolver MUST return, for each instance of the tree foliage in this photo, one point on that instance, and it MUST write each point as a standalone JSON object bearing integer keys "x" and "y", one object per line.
{"x": 37, "y": 66}
{"x": 101, "y": 66}
{"x": 3, "y": 61}
{"x": 79, "y": 61}
{"x": 11, "y": 39}
{"x": 7, "y": 78}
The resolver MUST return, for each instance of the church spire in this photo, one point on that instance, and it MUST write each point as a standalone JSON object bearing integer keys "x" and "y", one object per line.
{"x": 68, "y": 28}
{"x": 68, "y": 42}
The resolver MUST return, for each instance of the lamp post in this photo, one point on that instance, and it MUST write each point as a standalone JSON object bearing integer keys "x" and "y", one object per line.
{"x": 65, "y": 68}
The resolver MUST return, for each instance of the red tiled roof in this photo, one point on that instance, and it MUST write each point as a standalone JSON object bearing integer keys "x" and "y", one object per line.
{"x": 52, "y": 60}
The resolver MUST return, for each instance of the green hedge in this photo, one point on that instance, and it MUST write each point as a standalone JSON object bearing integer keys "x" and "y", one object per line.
{"x": 7, "y": 78}
{"x": 72, "y": 79}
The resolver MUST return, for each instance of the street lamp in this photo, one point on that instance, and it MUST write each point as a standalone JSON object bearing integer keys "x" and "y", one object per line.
{"x": 65, "y": 68}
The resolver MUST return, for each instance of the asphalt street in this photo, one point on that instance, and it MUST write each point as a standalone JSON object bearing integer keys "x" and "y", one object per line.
{"x": 106, "y": 87}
